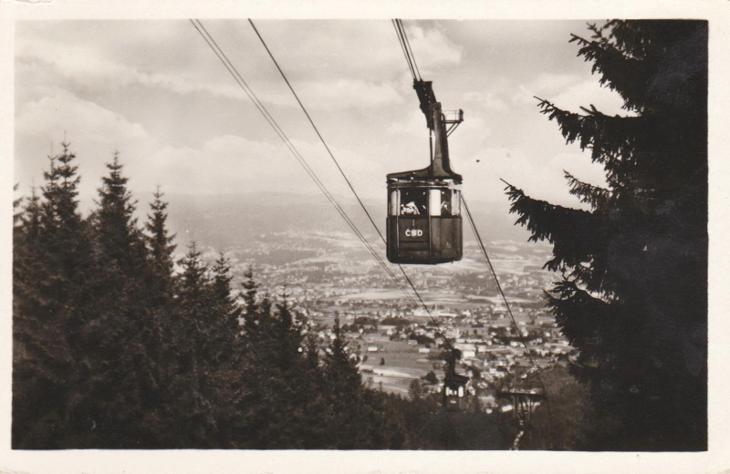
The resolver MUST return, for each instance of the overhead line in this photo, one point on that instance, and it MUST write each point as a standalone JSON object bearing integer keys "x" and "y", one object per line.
{"x": 405, "y": 44}
{"x": 506, "y": 303}
{"x": 282, "y": 135}
{"x": 494, "y": 274}
{"x": 339, "y": 168}
{"x": 316, "y": 129}
{"x": 410, "y": 60}
{"x": 408, "y": 47}
{"x": 210, "y": 41}
{"x": 403, "y": 47}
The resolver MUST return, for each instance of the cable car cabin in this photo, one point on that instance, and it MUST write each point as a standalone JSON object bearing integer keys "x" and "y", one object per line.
{"x": 524, "y": 401}
{"x": 424, "y": 220}
{"x": 454, "y": 384}
{"x": 454, "y": 391}
{"x": 424, "y": 206}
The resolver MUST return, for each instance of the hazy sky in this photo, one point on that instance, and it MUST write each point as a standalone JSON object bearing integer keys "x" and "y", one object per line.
{"x": 155, "y": 92}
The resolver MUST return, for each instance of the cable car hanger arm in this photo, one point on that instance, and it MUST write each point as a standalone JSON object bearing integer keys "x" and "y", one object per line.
{"x": 427, "y": 100}
{"x": 436, "y": 123}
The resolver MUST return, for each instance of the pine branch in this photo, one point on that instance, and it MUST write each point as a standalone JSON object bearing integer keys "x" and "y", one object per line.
{"x": 595, "y": 196}
{"x": 619, "y": 72}
{"x": 603, "y": 134}
{"x": 576, "y": 235}
{"x": 581, "y": 316}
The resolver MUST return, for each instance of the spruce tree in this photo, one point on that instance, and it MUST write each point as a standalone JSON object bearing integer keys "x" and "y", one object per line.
{"x": 341, "y": 367}
{"x": 343, "y": 387}
{"x": 316, "y": 417}
{"x": 66, "y": 261}
{"x": 122, "y": 384}
{"x": 633, "y": 296}
{"x": 159, "y": 297}
{"x": 261, "y": 378}
{"x": 228, "y": 313}
{"x": 28, "y": 269}
{"x": 160, "y": 246}
{"x": 64, "y": 234}
{"x": 276, "y": 386}
{"x": 250, "y": 394}
{"x": 225, "y": 357}
{"x": 52, "y": 262}
{"x": 250, "y": 310}
{"x": 160, "y": 278}
{"x": 287, "y": 335}
{"x": 42, "y": 361}
{"x": 358, "y": 418}
{"x": 286, "y": 374}
{"x": 117, "y": 233}
{"x": 192, "y": 415}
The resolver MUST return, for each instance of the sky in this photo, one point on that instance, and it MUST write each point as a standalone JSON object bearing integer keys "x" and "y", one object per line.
{"x": 154, "y": 92}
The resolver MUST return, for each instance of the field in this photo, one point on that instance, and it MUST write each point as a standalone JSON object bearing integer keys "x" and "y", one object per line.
{"x": 403, "y": 363}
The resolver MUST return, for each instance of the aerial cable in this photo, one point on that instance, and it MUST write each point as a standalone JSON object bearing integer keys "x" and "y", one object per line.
{"x": 316, "y": 130}
{"x": 339, "y": 168}
{"x": 330, "y": 153}
{"x": 408, "y": 48}
{"x": 197, "y": 24}
{"x": 507, "y": 305}
{"x": 403, "y": 48}
{"x": 239, "y": 79}
{"x": 410, "y": 59}
{"x": 210, "y": 41}
{"x": 494, "y": 274}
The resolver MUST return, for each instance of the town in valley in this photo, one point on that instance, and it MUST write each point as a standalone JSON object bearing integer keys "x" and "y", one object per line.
{"x": 399, "y": 341}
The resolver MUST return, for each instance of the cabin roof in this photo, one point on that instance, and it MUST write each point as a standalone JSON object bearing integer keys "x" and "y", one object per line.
{"x": 429, "y": 172}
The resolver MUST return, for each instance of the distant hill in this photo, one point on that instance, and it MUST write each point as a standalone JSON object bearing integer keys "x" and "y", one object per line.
{"x": 226, "y": 220}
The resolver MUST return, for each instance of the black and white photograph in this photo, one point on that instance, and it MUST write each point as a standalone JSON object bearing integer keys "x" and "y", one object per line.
{"x": 433, "y": 235}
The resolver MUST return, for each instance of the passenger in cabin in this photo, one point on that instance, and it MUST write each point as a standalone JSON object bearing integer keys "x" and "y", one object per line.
{"x": 416, "y": 202}
{"x": 445, "y": 203}
{"x": 445, "y": 208}
{"x": 409, "y": 209}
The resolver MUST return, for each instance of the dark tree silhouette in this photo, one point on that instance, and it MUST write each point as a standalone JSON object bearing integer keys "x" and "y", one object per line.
{"x": 114, "y": 346}
{"x": 158, "y": 328}
{"x": 115, "y": 339}
{"x": 50, "y": 300}
{"x": 160, "y": 246}
{"x": 193, "y": 350}
{"x": 633, "y": 293}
